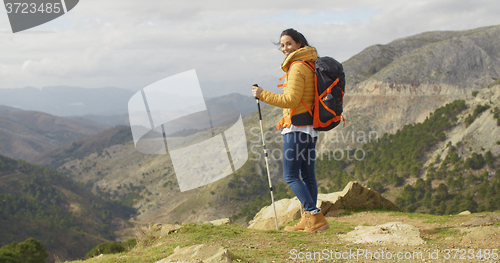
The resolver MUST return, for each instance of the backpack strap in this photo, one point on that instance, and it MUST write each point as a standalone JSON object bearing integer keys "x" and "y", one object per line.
{"x": 329, "y": 89}
{"x": 287, "y": 121}
{"x": 280, "y": 79}
{"x": 311, "y": 67}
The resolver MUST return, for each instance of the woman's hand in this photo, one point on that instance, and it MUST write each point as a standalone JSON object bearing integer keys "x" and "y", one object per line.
{"x": 256, "y": 90}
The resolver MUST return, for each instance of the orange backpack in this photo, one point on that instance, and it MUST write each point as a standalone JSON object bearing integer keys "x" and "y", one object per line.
{"x": 329, "y": 83}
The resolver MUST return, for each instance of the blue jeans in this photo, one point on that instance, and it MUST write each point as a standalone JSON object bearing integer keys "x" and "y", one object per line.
{"x": 299, "y": 154}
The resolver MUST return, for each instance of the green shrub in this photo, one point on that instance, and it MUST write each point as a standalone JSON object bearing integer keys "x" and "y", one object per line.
{"x": 488, "y": 157}
{"x": 105, "y": 248}
{"x": 28, "y": 251}
{"x": 496, "y": 115}
{"x": 476, "y": 161}
{"x": 129, "y": 244}
{"x": 377, "y": 186}
{"x": 479, "y": 109}
{"x": 474, "y": 93}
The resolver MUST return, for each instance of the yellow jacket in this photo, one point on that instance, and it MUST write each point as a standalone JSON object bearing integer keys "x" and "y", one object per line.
{"x": 298, "y": 85}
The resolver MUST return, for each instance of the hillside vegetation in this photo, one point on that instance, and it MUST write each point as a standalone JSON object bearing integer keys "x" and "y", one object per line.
{"x": 40, "y": 203}
{"x": 25, "y": 134}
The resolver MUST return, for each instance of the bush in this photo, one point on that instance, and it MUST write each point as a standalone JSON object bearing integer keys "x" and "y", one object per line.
{"x": 496, "y": 115}
{"x": 105, "y": 248}
{"x": 479, "y": 109}
{"x": 474, "y": 93}
{"x": 28, "y": 251}
{"x": 376, "y": 186}
{"x": 129, "y": 244}
{"x": 489, "y": 159}
{"x": 476, "y": 161}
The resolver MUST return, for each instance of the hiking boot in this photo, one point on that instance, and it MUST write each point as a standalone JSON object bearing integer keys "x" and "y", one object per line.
{"x": 299, "y": 226}
{"x": 315, "y": 222}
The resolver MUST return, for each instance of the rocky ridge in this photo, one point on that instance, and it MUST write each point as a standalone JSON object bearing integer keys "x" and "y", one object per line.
{"x": 354, "y": 196}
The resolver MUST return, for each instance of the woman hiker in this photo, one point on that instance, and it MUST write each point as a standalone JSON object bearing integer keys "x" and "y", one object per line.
{"x": 299, "y": 137}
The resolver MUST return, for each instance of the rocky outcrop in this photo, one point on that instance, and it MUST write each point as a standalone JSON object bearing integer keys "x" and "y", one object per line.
{"x": 169, "y": 228}
{"x": 483, "y": 220}
{"x": 286, "y": 210}
{"x": 198, "y": 254}
{"x": 354, "y": 196}
{"x": 445, "y": 62}
{"x": 395, "y": 233}
{"x": 218, "y": 222}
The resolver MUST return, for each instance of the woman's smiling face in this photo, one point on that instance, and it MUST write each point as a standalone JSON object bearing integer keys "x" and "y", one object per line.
{"x": 288, "y": 45}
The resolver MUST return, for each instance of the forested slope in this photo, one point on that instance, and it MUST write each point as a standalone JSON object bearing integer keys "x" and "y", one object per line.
{"x": 39, "y": 202}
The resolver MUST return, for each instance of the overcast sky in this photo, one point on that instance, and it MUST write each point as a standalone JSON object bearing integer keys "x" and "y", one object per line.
{"x": 131, "y": 44}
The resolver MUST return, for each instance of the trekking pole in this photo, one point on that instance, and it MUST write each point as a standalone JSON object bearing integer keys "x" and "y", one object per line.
{"x": 267, "y": 162}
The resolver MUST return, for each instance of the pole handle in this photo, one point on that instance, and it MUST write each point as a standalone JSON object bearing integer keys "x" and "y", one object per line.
{"x": 256, "y": 85}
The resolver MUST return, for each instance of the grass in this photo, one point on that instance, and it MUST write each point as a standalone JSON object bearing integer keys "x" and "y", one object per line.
{"x": 244, "y": 244}
{"x": 444, "y": 231}
{"x": 428, "y": 218}
{"x": 438, "y": 235}
{"x": 250, "y": 245}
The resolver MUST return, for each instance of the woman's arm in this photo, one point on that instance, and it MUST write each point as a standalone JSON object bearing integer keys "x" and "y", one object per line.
{"x": 292, "y": 93}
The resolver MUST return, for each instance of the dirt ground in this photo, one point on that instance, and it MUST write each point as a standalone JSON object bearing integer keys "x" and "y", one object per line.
{"x": 464, "y": 238}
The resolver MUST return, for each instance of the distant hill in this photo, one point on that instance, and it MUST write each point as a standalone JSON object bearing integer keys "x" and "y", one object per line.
{"x": 85, "y": 146}
{"x": 107, "y": 106}
{"x": 121, "y": 134}
{"x": 440, "y": 62}
{"x": 109, "y": 121}
{"x": 25, "y": 134}
{"x": 389, "y": 86}
{"x": 68, "y": 219}
{"x": 244, "y": 104}
{"x": 37, "y": 137}
{"x": 68, "y": 101}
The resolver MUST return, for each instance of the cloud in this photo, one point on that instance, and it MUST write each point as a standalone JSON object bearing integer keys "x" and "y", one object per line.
{"x": 131, "y": 44}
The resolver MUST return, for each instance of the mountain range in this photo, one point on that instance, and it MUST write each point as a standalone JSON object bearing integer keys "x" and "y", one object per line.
{"x": 390, "y": 89}
{"x": 68, "y": 101}
{"x": 25, "y": 134}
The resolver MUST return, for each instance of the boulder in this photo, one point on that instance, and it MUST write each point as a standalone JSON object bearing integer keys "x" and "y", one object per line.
{"x": 483, "y": 220}
{"x": 354, "y": 196}
{"x": 395, "y": 233}
{"x": 218, "y": 222}
{"x": 168, "y": 229}
{"x": 465, "y": 213}
{"x": 198, "y": 253}
{"x": 155, "y": 227}
{"x": 286, "y": 210}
